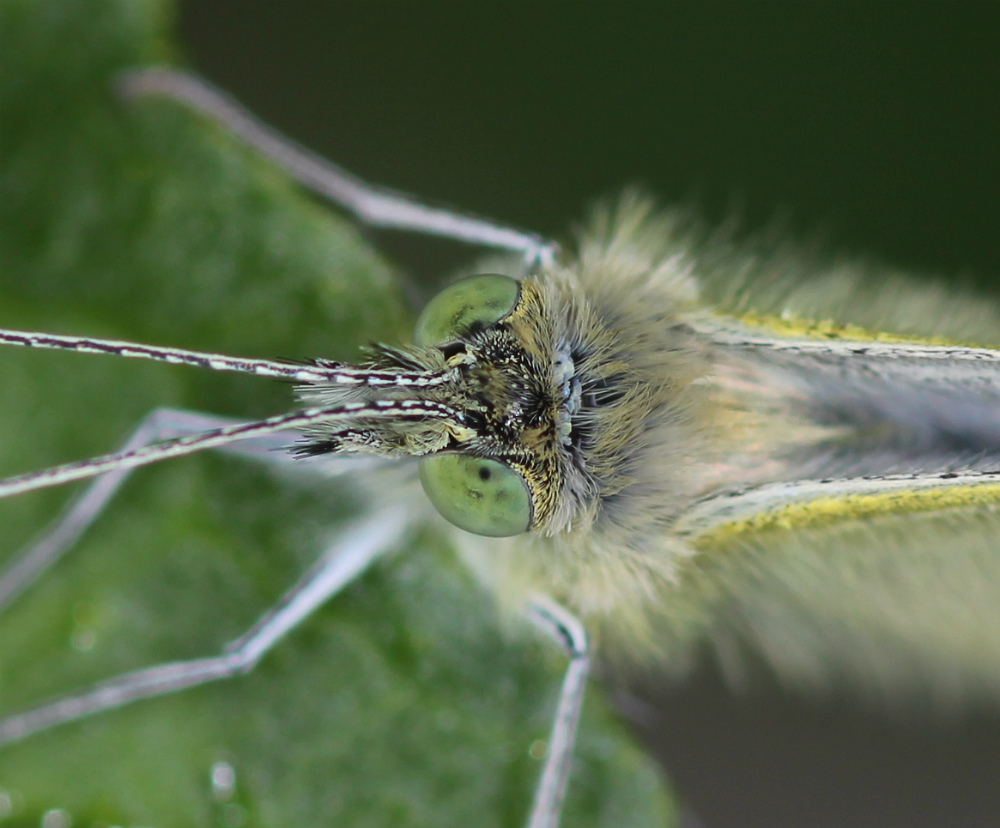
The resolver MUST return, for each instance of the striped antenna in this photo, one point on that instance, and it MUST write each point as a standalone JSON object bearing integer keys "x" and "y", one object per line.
{"x": 413, "y": 410}
{"x": 322, "y": 371}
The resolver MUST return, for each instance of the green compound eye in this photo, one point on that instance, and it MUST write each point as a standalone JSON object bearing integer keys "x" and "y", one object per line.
{"x": 450, "y": 315}
{"x": 481, "y": 496}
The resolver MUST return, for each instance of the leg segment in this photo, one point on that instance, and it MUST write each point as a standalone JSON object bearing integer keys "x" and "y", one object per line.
{"x": 374, "y": 206}
{"x": 349, "y": 556}
{"x": 567, "y": 631}
{"x": 160, "y": 424}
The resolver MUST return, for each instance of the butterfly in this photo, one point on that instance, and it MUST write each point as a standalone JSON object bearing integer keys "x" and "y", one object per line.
{"x": 791, "y": 437}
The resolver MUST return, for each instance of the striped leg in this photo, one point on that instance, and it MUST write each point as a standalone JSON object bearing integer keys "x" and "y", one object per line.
{"x": 347, "y": 558}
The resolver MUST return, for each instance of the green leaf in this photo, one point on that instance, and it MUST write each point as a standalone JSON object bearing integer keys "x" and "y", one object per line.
{"x": 402, "y": 702}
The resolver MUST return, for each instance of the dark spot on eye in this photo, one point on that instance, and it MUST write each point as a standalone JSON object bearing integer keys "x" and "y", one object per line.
{"x": 484, "y": 473}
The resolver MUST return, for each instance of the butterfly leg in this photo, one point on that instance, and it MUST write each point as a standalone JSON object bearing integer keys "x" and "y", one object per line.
{"x": 375, "y": 206}
{"x": 568, "y": 632}
{"x": 159, "y": 424}
{"x": 352, "y": 552}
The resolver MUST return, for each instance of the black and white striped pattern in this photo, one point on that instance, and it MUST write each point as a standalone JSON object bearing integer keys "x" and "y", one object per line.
{"x": 322, "y": 371}
{"x": 411, "y": 410}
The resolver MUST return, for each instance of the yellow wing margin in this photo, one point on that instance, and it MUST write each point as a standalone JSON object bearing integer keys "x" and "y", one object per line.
{"x": 816, "y": 504}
